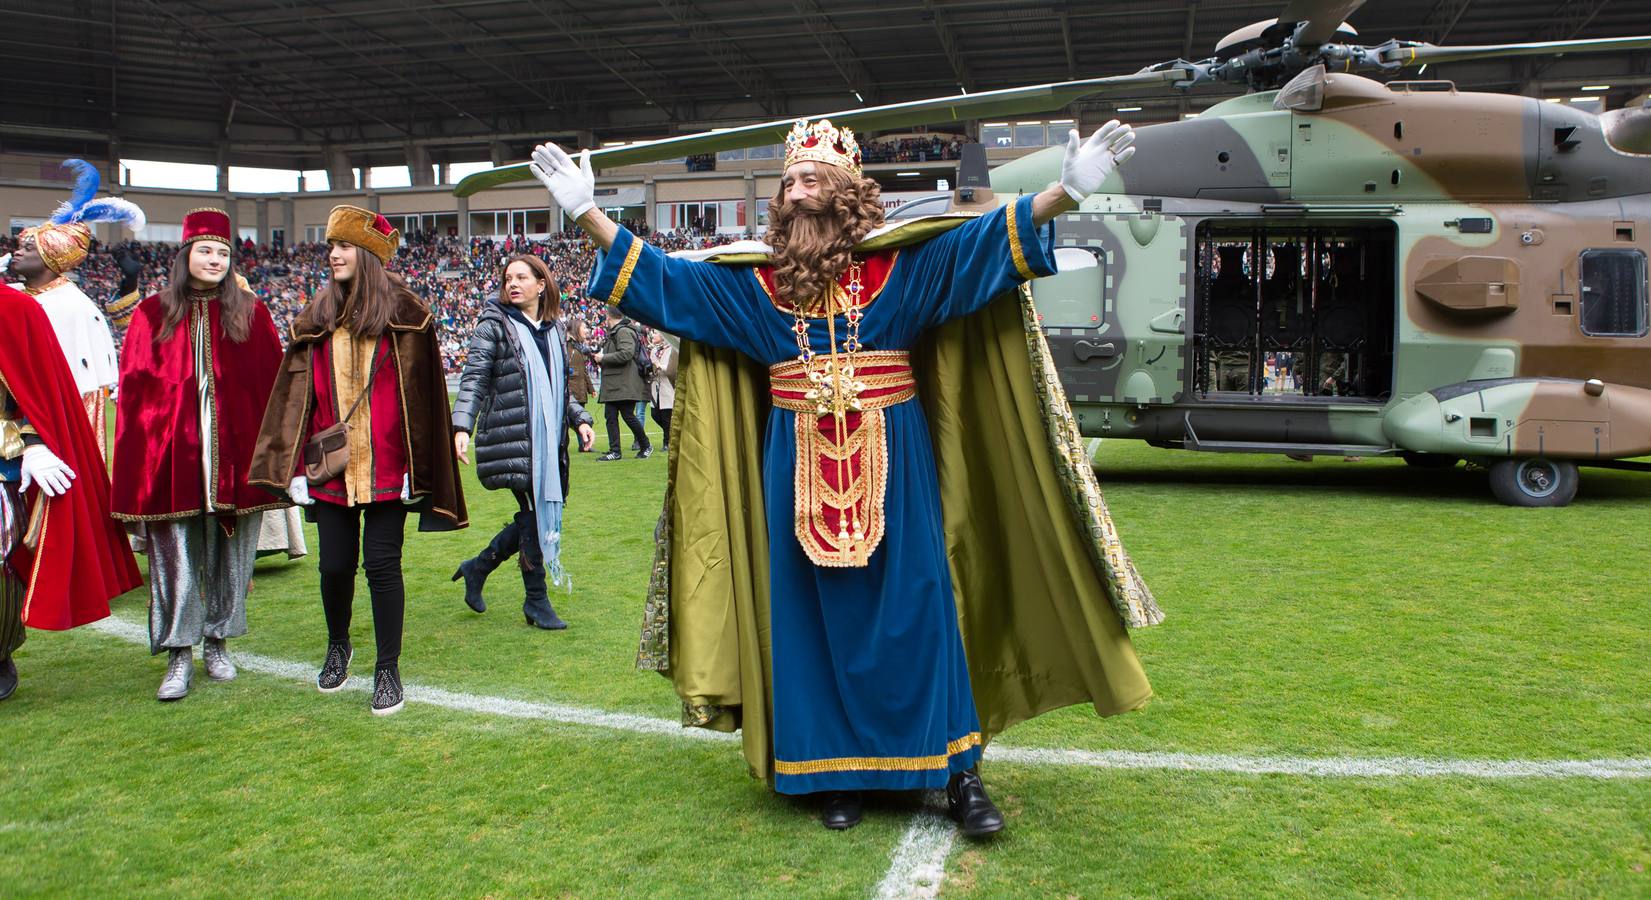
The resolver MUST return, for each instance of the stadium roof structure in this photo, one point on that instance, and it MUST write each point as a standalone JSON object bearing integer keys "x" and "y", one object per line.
{"x": 281, "y": 83}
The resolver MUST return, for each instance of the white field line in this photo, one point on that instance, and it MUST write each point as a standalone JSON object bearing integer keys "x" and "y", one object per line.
{"x": 361, "y": 680}
{"x": 1244, "y": 764}
{"x": 919, "y": 863}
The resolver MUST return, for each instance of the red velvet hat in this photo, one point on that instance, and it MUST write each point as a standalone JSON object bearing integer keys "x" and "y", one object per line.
{"x": 206, "y": 224}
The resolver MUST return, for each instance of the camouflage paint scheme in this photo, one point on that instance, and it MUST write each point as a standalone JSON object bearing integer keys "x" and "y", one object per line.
{"x": 1489, "y": 356}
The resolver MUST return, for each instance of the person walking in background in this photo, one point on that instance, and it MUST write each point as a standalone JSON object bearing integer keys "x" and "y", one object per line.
{"x": 622, "y": 384}
{"x": 358, "y": 429}
{"x": 580, "y": 383}
{"x": 662, "y": 388}
{"x": 516, "y": 396}
{"x": 196, "y": 371}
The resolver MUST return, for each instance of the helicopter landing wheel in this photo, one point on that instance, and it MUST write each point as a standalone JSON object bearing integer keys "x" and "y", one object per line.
{"x": 1429, "y": 460}
{"x": 1534, "y": 482}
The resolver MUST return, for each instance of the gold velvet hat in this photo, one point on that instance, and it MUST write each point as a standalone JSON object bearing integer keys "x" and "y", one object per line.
{"x": 364, "y": 228}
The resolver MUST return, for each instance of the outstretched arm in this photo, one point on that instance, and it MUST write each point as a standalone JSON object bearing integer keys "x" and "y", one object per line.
{"x": 574, "y": 187}
{"x": 1083, "y": 169}
{"x": 701, "y": 301}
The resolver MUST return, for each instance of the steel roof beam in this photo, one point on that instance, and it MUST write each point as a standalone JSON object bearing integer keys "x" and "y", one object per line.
{"x": 948, "y": 42}
{"x": 838, "y": 51}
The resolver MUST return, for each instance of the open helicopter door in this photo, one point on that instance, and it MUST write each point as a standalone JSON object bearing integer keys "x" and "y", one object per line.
{"x": 1115, "y": 314}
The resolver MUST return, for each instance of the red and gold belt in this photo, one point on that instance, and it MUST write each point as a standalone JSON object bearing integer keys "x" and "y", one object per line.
{"x": 841, "y": 472}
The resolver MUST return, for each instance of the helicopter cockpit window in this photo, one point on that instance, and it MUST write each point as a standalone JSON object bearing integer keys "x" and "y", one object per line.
{"x": 1614, "y": 302}
{"x": 1291, "y": 311}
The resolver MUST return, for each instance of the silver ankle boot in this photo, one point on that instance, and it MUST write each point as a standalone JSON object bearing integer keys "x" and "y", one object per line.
{"x": 219, "y": 667}
{"x": 180, "y": 666}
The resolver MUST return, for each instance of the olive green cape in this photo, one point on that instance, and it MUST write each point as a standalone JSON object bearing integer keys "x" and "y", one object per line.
{"x": 1044, "y": 588}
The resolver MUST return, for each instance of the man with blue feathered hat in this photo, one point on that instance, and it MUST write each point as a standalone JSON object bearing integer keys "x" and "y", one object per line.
{"x": 45, "y": 256}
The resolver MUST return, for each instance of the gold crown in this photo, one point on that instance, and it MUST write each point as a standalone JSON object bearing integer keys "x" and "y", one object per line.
{"x": 823, "y": 142}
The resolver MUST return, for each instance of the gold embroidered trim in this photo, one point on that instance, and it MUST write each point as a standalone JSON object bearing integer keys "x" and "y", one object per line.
{"x": 879, "y": 763}
{"x": 793, "y": 376}
{"x": 52, "y": 285}
{"x": 864, "y": 493}
{"x": 624, "y": 279}
{"x": 1015, "y": 249}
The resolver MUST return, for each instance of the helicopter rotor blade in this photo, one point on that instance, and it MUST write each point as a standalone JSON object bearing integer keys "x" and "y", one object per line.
{"x": 1428, "y": 53}
{"x": 958, "y": 107}
{"x": 1321, "y": 18}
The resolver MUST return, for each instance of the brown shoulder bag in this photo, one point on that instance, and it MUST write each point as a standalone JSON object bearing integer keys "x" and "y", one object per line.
{"x": 327, "y": 455}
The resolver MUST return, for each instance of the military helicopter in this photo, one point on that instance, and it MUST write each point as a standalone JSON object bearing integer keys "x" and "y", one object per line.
{"x": 1333, "y": 265}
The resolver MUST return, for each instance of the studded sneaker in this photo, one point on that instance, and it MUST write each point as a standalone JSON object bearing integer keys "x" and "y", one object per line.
{"x": 387, "y": 697}
{"x": 336, "y": 670}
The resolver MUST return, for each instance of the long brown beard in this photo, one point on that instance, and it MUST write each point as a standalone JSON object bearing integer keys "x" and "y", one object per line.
{"x": 813, "y": 239}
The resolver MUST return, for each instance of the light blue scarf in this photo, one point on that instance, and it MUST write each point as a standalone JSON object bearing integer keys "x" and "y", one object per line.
{"x": 545, "y": 391}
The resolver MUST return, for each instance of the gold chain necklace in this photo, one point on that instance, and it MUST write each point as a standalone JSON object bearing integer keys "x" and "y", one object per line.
{"x": 836, "y": 391}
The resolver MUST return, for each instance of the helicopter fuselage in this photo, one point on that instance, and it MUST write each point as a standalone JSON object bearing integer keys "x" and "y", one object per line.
{"x": 1349, "y": 267}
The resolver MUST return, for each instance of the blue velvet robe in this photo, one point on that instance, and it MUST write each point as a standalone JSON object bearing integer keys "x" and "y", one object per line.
{"x": 871, "y": 688}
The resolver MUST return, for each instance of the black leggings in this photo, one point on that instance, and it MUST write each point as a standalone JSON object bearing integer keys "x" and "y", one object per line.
{"x": 613, "y": 410}
{"x": 341, "y": 534}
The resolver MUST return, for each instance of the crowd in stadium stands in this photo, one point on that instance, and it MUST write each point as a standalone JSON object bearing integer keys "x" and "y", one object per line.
{"x": 454, "y": 276}
{"x": 915, "y": 149}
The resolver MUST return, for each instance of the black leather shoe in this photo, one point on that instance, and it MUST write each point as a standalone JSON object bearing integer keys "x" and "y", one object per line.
{"x": 644, "y": 453}
{"x": 841, "y": 811}
{"x": 970, "y": 808}
{"x": 609, "y": 456}
{"x": 8, "y": 678}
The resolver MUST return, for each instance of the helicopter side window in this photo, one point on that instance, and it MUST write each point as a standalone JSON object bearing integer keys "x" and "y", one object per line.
{"x": 1614, "y": 302}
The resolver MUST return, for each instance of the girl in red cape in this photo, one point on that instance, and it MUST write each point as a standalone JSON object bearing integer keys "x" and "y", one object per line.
{"x": 200, "y": 358}
{"x": 64, "y": 557}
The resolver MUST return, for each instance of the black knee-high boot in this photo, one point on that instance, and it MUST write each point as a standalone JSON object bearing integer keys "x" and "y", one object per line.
{"x": 475, "y": 570}
{"x": 536, "y": 607}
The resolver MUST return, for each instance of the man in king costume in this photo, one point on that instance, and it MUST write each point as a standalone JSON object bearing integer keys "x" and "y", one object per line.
{"x": 882, "y": 542}
{"x": 62, "y": 558}
{"x": 45, "y": 255}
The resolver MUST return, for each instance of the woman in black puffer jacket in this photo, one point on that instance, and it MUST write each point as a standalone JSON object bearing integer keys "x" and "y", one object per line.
{"x": 494, "y": 404}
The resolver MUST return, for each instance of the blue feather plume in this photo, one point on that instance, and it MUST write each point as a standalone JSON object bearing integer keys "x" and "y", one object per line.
{"x": 113, "y": 209}
{"x": 87, "y": 182}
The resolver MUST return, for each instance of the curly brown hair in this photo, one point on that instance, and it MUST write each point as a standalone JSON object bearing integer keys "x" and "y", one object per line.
{"x": 812, "y": 238}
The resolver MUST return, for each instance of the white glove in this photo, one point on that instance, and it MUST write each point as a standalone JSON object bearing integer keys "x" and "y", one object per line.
{"x": 299, "y": 491}
{"x": 573, "y": 185}
{"x": 42, "y": 467}
{"x": 1087, "y": 164}
{"x": 407, "y": 490}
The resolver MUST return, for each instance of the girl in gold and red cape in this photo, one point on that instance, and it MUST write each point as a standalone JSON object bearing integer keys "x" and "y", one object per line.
{"x": 364, "y": 353}
{"x": 195, "y": 375}
{"x": 63, "y": 557}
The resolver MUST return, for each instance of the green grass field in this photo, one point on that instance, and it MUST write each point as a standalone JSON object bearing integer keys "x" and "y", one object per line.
{"x": 1329, "y": 610}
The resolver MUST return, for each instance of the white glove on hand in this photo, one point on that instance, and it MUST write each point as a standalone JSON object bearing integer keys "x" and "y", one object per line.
{"x": 407, "y": 490}
{"x": 42, "y": 467}
{"x": 1087, "y": 164}
{"x": 299, "y": 491}
{"x": 573, "y": 185}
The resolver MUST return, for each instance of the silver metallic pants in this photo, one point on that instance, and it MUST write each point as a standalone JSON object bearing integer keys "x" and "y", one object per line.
{"x": 198, "y": 579}
{"x": 11, "y": 587}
